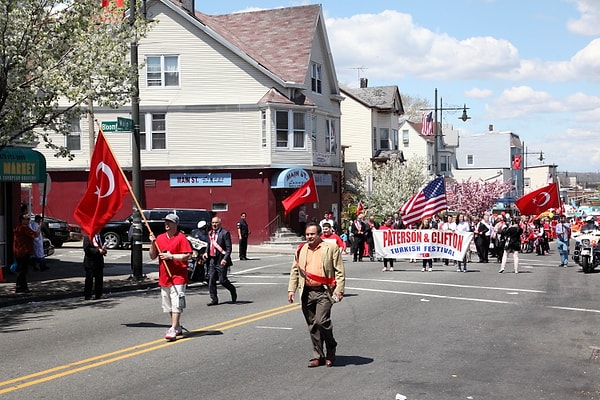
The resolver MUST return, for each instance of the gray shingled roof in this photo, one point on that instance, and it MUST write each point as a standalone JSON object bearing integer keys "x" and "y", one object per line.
{"x": 381, "y": 97}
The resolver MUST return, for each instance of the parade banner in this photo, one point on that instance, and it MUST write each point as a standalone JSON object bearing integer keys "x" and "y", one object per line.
{"x": 421, "y": 243}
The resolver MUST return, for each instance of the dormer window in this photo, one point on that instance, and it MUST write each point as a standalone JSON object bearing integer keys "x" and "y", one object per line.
{"x": 316, "y": 78}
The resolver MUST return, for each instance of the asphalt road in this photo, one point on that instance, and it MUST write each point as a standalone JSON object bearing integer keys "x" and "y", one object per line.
{"x": 423, "y": 335}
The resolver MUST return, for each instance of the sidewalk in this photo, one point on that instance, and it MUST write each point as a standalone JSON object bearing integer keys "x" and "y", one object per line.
{"x": 65, "y": 279}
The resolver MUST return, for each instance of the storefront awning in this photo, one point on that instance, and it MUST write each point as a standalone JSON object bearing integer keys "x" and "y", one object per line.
{"x": 18, "y": 164}
{"x": 289, "y": 178}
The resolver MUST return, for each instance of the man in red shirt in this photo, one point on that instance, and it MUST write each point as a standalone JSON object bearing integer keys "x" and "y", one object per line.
{"x": 329, "y": 236}
{"x": 173, "y": 250}
{"x": 23, "y": 249}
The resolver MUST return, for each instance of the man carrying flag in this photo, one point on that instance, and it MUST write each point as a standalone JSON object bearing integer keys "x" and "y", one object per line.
{"x": 105, "y": 191}
{"x": 427, "y": 202}
{"x": 306, "y": 193}
{"x": 538, "y": 201}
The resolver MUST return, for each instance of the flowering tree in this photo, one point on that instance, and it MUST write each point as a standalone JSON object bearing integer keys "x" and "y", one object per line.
{"x": 475, "y": 197}
{"x": 57, "y": 57}
{"x": 393, "y": 183}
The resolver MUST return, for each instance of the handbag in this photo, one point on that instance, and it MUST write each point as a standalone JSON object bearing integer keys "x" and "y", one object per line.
{"x": 14, "y": 267}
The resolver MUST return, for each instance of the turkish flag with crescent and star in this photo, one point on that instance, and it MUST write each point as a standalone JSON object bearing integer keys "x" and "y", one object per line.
{"x": 106, "y": 188}
{"x": 539, "y": 200}
{"x": 306, "y": 193}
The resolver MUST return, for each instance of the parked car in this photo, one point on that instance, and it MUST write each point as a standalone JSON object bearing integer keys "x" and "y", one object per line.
{"x": 48, "y": 248}
{"x": 116, "y": 233}
{"x": 57, "y": 230}
{"x": 75, "y": 234}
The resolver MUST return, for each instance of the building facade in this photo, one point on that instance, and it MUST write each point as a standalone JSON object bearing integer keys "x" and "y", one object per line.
{"x": 236, "y": 112}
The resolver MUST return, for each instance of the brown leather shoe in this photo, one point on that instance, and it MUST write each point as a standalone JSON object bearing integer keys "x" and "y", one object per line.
{"x": 315, "y": 362}
{"x": 330, "y": 359}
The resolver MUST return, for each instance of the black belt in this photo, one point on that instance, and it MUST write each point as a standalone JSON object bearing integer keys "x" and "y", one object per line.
{"x": 314, "y": 288}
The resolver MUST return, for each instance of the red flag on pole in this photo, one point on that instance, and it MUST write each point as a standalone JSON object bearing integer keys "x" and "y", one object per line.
{"x": 517, "y": 162}
{"x": 306, "y": 193}
{"x": 539, "y": 200}
{"x": 105, "y": 191}
{"x": 359, "y": 207}
{"x": 105, "y": 3}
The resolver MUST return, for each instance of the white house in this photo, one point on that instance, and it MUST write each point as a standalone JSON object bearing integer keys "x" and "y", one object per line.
{"x": 236, "y": 112}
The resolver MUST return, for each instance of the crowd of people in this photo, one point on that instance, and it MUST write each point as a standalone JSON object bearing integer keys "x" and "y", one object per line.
{"x": 496, "y": 236}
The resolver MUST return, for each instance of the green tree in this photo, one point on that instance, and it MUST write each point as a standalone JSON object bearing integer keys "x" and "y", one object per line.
{"x": 393, "y": 183}
{"x": 55, "y": 57}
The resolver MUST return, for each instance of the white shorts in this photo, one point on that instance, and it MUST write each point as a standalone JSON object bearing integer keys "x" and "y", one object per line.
{"x": 170, "y": 298}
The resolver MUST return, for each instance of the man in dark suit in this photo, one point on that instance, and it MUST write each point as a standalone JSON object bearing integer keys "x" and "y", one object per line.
{"x": 93, "y": 263}
{"x": 218, "y": 255}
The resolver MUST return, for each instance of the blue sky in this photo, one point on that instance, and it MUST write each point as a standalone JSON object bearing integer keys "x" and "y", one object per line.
{"x": 529, "y": 66}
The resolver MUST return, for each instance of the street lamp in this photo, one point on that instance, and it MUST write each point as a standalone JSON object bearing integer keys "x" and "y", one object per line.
{"x": 464, "y": 117}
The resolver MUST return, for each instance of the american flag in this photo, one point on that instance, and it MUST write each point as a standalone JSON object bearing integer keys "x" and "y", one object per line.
{"x": 427, "y": 124}
{"x": 426, "y": 202}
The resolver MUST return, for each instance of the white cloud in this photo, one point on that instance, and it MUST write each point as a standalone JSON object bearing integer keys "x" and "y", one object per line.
{"x": 589, "y": 21}
{"x": 477, "y": 93}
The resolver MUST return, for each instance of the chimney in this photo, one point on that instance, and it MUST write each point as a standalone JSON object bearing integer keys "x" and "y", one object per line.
{"x": 364, "y": 82}
{"x": 188, "y": 5}
{"x": 491, "y": 128}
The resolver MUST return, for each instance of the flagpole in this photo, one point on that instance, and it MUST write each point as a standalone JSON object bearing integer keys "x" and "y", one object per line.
{"x": 133, "y": 196}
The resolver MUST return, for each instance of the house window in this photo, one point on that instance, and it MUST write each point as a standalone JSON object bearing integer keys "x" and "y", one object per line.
{"x": 395, "y": 139}
{"x": 330, "y": 144}
{"x": 444, "y": 163}
{"x": 470, "y": 160}
{"x": 384, "y": 138}
{"x": 263, "y": 128}
{"x": 527, "y": 182}
{"x": 73, "y": 139}
{"x": 315, "y": 78}
{"x": 216, "y": 207}
{"x": 290, "y": 128}
{"x": 405, "y": 137}
{"x": 154, "y": 138}
{"x": 162, "y": 71}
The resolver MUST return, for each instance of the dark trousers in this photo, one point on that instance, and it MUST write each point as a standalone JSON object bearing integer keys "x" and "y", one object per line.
{"x": 94, "y": 279}
{"x": 218, "y": 272}
{"x": 23, "y": 266}
{"x": 243, "y": 247}
{"x": 316, "y": 308}
{"x": 358, "y": 247}
{"x": 483, "y": 247}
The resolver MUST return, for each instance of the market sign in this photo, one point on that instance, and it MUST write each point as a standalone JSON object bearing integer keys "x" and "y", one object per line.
{"x": 18, "y": 164}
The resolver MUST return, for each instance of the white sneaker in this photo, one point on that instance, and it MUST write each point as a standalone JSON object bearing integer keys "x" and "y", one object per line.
{"x": 384, "y": 269}
{"x": 430, "y": 269}
{"x": 391, "y": 269}
{"x": 423, "y": 269}
{"x": 516, "y": 272}
{"x": 458, "y": 270}
{"x": 171, "y": 335}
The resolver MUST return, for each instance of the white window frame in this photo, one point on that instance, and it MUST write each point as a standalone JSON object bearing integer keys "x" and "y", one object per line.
{"x": 394, "y": 139}
{"x": 149, "y": 138}
{"x": 263, "y": 129}
{"x": 470, "y": 159}
{"x": 162, "y": 81}
{"x": 74, "y": 136}
{"x": 330, "y": 138}
{"x": 316, "y": 78}
{"x": 290, "y": 130}
{"x": 384, "y": 139}
{"x": 405, "y": 137}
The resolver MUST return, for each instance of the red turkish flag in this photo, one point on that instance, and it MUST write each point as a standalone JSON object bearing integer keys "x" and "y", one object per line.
{"x": 105, "y": 3}
{"x": 517, "y": 162}
{"x": 306, "y": 193}
{"x": 539, "y": 200}
{"x": 359, "y": 207}
{"x": 105, "y": 191}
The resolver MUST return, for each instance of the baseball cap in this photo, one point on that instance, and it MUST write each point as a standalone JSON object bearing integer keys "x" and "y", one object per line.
{"x": 173, "y": 218}
{"x": 201, "y": 224}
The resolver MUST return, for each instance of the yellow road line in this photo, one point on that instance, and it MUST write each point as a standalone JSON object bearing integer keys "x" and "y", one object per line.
{"x": 103, "y": 359}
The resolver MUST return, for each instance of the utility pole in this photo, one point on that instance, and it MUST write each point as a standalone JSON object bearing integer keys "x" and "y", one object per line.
{"x": 136, "y": 245}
